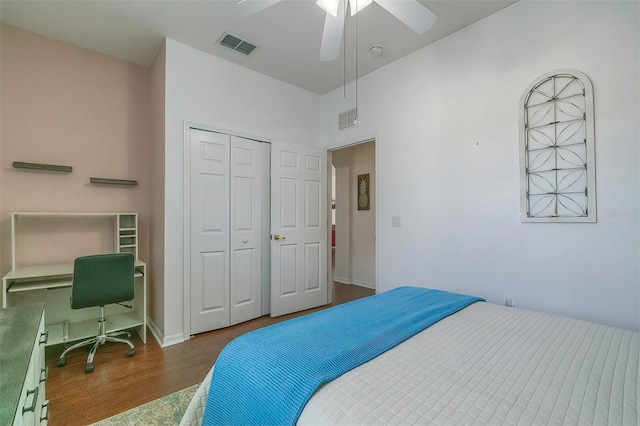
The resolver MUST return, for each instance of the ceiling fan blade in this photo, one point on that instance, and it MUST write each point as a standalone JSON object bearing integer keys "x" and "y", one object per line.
{"x": 411, "y": 13}
{"x": 254, "y": 6}
{"x": 332, "y": 35}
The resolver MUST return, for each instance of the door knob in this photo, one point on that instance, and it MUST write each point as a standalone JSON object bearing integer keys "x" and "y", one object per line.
{"x": 278, "y": 237}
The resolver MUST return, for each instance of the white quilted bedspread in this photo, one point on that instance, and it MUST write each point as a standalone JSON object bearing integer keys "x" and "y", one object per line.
{"x": 492, "y": 365}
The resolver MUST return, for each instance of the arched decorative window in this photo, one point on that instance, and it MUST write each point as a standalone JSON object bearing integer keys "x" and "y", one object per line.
{"x": 557, "y": 155}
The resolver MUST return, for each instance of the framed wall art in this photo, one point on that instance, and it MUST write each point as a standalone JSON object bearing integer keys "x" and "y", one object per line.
{"x": 557, "y": 154}
{"x": 363, "y": 192}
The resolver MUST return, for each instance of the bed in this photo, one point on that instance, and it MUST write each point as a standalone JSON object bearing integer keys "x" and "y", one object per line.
{"x": 485, "y": 364}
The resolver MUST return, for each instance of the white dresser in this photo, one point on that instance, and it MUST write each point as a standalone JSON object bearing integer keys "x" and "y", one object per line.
{"x": 22, "y": 368}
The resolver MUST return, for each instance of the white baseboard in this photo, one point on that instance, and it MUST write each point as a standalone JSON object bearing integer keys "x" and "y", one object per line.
{"x": 364, "y": 284}
{"x": 341, "y": 280}
{"x": 157, "y": 334}
{"x": 163, "y": 340}
{"x": 173, "y": 340}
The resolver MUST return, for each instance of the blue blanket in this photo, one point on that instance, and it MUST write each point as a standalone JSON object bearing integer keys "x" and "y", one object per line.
{"x": 266, "y": 377}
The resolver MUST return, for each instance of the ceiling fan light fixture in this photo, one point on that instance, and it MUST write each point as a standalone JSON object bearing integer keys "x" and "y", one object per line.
{"x": 329, "y": 6}
{"x": 358, "y": 5}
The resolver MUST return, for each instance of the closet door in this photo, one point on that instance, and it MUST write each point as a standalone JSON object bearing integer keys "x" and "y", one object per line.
{"x": 228, "y": 177}
{"x": 210, "y": 236}
{"x": 249, "y": 168}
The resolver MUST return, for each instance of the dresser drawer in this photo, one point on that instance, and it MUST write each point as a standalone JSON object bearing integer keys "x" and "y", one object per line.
{"x": 32, "y": 406}
{"x": 28, "y": 405}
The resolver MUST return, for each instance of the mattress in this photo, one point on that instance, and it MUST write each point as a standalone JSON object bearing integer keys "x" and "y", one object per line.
{"x": 487, "y": 364}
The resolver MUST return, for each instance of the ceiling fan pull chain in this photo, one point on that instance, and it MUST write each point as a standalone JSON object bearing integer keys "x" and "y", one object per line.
{"x": 357, "y": 120}
{"x": 344, "y": 52}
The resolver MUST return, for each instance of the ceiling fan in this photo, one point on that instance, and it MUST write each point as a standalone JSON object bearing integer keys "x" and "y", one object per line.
{"x": 410, "y": 12}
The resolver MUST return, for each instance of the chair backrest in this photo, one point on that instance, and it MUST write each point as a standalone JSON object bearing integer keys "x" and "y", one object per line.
{"x": 102, "y": 279}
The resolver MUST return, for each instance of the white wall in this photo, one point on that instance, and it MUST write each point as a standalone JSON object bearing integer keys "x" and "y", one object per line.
{"x": 156, "y": 169}
{"x": 207, "y": 90}
{"x": 446, "y": 119}
{"x": 342, "y": 253}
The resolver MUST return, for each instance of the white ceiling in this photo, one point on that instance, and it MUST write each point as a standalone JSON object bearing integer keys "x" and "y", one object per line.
{"x": 288, "y": 33}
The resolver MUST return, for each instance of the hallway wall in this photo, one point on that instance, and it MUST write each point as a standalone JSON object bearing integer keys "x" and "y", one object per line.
{"x": 355, "y": 229}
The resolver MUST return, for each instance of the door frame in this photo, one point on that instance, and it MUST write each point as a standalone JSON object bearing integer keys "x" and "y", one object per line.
{"x": 186, "y": 212}
{"x": 375, "y": 138}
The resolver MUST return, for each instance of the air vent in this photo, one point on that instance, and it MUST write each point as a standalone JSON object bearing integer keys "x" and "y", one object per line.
{"x": 347, "y": 119}
{"x": 237, "y": 44}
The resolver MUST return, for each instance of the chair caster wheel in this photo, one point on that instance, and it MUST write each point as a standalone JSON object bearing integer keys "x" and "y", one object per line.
{"x": 131, "y": 352}
{"x": 62, "y": 362}
{"x": 88, "y": 368}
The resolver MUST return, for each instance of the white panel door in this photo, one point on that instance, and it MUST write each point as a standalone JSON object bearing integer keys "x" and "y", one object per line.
{"x": 209, "y": 230}
{"x": 298, "y": 228}
{"x": 249, "y": 167}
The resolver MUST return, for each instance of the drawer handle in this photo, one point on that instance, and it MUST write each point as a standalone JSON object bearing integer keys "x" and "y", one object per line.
{"x": 35, "y": 400}
{"x": 44, "y": 337}
{"x": 46, "y": 416}
{"x": 46, "y": 374}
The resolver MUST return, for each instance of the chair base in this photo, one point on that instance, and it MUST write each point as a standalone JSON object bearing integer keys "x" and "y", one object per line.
{"x": 94, "y": 342}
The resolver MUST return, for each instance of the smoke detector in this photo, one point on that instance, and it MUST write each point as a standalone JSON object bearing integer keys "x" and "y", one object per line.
{"x": 376, "y": 50}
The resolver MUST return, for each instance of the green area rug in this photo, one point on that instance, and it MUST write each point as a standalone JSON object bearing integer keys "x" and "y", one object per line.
{"x": 164, "y": 411}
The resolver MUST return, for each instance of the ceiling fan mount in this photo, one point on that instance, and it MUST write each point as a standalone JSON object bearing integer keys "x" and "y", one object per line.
{"x": 410, "y": 12}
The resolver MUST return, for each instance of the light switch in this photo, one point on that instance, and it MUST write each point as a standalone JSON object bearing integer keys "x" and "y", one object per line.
{"x": 396, "y": 221}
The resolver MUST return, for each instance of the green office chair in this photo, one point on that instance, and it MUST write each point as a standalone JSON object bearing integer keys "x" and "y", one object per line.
{"x": 97, "y": 281}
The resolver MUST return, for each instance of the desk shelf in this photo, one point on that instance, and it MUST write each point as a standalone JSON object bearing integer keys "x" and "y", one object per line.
{"x": 39, "y": 285}
{"x": 49, "y": 284}
{"x": 127, "y": 233}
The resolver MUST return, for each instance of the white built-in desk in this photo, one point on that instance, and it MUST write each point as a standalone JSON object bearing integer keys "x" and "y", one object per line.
{"x": 51, "y": 283}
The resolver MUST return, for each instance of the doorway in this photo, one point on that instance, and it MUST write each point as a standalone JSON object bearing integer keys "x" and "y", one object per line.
{"x": 354, "y": 217}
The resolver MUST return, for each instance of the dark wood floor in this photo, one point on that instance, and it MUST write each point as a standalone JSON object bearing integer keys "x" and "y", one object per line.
{"x": 120, "y": 383}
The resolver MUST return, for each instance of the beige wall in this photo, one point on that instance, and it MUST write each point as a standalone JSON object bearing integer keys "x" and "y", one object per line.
{"x": 355, "y": 251}
{"x": 66, "y": 105}
{"x": 1, "y": 296}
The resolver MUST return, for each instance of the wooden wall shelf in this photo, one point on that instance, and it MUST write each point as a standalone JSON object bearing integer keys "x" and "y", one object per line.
{"x": 107, "y": 181}
{"x": 38, "y": 166}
